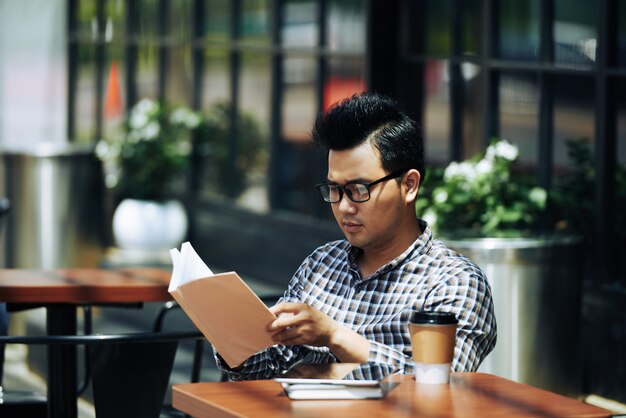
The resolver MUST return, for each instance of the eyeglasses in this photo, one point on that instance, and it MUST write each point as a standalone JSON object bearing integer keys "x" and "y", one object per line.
{"x": 357, "y": 191}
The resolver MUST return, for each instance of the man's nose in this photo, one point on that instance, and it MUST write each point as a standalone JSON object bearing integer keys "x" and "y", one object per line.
{"x": 345, "y": 204}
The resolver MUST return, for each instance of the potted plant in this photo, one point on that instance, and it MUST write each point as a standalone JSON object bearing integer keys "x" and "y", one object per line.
{"x": 149, "y": 151}
{"x": 228, "y": 163}
{"x": 478, "y": 197}
{"x": 485, "y": 210}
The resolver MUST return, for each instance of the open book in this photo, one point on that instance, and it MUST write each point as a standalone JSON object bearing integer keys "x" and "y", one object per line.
{"x": 222, "y": 306}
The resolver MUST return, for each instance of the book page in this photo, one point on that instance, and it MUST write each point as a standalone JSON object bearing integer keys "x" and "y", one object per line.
{"x": 305, "y": 383}
{"x": 187, "y": 266}
{"x": 176, "y": 266}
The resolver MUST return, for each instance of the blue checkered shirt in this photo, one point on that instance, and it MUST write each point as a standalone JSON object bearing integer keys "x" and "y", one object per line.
{"x": 427, "y": 276}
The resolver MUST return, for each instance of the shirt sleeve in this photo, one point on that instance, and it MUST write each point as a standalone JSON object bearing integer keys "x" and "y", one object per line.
{"x": 383, "y": 354}
{"x": 275, "y": 360}
{"x": 463, "y": 290}
{"x": 278, "y": 358}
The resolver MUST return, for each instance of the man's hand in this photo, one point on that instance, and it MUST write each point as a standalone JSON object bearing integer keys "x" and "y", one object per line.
{"x": 299, "y": 323}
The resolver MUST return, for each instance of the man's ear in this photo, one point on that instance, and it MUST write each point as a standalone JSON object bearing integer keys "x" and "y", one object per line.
{"x": 412, "y": 184}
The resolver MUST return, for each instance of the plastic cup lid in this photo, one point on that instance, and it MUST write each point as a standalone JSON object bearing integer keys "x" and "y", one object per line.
{"x": 432, "y": 317}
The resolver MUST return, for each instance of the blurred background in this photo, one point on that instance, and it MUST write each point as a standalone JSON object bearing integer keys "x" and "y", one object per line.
{"x": 538, "y": 73}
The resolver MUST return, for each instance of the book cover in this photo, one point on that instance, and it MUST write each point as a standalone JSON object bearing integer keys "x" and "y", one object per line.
{"x": 222, "y": 306}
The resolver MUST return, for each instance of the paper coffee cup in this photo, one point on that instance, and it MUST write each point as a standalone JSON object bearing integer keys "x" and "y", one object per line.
{"x": 433, "y": 337}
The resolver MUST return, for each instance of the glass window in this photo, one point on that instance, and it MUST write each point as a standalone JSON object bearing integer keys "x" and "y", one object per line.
{"x": 472, "y": 109}
{"x": 299, "y": 171}
{"x": 573, "y": 114}
{"x": 252, "y": 139}
{"x": 299, "y": 102}
{"x": 519, "y": 113}
{"x": 299, "y": 106}
{"x": 86, "y": 24}
{"x": 148, "y": 20}
{"x": 255, "y": 85}
{"x": 147, "y": 81}
{"x": 344, "y": 77}
{"x": 346, "y": 26}
{"x": 437, "y": 111}
{"x": 178, "y": 81}
{"x": 216, "y": 77}
{"x": 472, "y": 27}
{"x": 575, "y": 33}
{"x": 147, "y": 51}
{"x": 85, "y": 37}
{"x": 113, "y": 72}
{"x": 178, "y": 71}
{"x": 85, "y": 116}
{"x": 115, "y": 21}
{"x": 345, "y": 36}
{"x": 519, "y": 30}
{"x": 217, "y": 20}
{"x": 300, "y": 29}
{"x": 438, "y": 31}
{"x": 180, "y": 21}
{"x": 299, "y": 68}
{"x": 214, "y": 149}
{"x": 113, "y": 109}
{"x": 413, "y": 22}
{"x": 254, "y": 25}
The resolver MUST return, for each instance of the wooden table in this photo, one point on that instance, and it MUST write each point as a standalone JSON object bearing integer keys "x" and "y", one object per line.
{"x": 60, "y": 291}
{"x": 467, "y": 395}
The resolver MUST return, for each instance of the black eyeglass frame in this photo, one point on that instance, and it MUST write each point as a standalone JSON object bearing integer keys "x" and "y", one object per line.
{"x": 343, "y": 190}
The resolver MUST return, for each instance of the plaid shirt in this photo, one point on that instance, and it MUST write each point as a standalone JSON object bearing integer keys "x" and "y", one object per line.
{"x": 427, "y": 276}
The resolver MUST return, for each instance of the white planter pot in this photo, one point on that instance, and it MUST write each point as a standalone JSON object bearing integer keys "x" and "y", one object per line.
{"x": 144, "y": 225}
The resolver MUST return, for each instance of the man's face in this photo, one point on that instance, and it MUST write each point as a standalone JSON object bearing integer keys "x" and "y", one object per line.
{"x": 369, "y": 225}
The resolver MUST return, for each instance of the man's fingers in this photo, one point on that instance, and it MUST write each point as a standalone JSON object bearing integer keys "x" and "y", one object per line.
{"x": 283, "y": 321}
{"x": 295, "y": 340}
{"x": 288, "y": 318}
{"x": 286, "y": 307}
{"x": 286, "y": 335}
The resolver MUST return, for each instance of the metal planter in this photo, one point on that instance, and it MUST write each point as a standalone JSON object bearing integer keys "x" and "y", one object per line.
{"x": 536, "y": 286}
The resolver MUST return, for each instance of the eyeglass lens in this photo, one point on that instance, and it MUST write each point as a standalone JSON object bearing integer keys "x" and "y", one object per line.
{"x": 355, "y": 191}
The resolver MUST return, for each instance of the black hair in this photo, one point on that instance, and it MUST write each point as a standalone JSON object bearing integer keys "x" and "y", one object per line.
{"x": 372, "y": 117}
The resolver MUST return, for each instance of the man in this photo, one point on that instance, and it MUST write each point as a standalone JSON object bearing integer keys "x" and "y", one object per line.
{"x": 350, "y": 300}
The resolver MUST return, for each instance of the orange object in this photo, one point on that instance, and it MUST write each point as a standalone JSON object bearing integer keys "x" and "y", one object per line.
{"x": 113, "y": 99}
{"x": 339, "y": 88}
